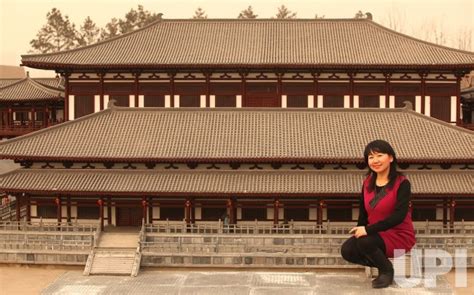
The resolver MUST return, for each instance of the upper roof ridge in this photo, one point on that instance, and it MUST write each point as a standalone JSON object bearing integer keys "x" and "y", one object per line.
{"x": 381, "y": 46}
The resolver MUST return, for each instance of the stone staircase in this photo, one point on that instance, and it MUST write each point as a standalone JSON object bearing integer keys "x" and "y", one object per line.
{"x": 118, "y": 253}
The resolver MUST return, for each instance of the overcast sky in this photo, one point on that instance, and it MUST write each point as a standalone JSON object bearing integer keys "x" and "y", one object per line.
{"x": 22, "y": 19}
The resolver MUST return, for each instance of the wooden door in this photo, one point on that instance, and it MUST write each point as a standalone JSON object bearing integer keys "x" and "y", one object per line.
{"x": 262, "y": 101}
{"x": 129, "y": 216}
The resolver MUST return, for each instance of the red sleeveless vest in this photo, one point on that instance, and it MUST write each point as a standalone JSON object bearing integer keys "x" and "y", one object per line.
{"x": 401, "y": 236}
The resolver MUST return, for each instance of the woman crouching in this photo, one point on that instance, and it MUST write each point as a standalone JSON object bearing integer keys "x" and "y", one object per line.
{"x": 385, "y": 222}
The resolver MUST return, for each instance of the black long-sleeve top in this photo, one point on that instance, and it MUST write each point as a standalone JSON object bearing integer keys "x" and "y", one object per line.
{"x": 398, "y": 215}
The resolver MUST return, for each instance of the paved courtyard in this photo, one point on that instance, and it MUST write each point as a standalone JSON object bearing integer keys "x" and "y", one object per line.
{"x": 230, "y": 282}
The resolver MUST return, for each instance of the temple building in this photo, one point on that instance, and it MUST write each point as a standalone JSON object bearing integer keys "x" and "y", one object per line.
{"x": 259, "y": 119}
{"x": 29, "y": 104}
{"x": 335, "y": 63}
{"x": 122, "y": 165}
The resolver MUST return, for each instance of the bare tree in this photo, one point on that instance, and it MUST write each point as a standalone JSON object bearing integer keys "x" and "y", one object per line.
{"x": 285, "y": 13}
{"x": 464, "y": 39}
{"x": 200, "y": 14}
{"x": 433, "y": 31}
{"x": 395, "y": 20}
{"x": 247, "y": 13}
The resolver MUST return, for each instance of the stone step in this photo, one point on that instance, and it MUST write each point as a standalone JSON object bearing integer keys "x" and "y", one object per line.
{"x": 112, "y": 263}
{"x": 118, "y": 240}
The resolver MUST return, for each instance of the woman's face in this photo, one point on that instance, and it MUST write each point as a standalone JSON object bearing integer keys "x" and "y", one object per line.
{"x": 380, "y": 162}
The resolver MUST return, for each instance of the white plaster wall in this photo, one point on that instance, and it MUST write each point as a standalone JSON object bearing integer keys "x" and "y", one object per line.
{"x": 156, "y": 212}
{"x": 454, "y": 109}
{"x": 198, "y": 213}
{"x": 313, "y": 213}
{"x": 382, "y": 101}
{"x": 320, "y": 101}
{"x": 310, "y": 101}
{"x": 70, "y": 106}
{"x": 238, "y": 102}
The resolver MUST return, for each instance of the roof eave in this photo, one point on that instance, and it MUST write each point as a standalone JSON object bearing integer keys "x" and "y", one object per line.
{"x": 259, "y": 160}
{"x": 207, "y": 194}
{"x": 319, "y": 67}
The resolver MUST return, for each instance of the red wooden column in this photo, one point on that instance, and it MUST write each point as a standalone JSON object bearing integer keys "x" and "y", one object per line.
{"x": 193, "y": 211}
{"x": 100, "y": 202}
{"x": 230, "y": 209}
{"x": 320, "y": 212}
{"x": 276, "y": 207}
{"x": 136, "y": 89}
{"x": 68, "y": 209}
{"x": 33, "y": 117}
{"x": 351, "y": 94}
{"x": 46, "y": 118}
{"x": 18, "y": 207}
{"x": 279, "y": 86}
{"x": 171, "y": 75}
{"x": 10, "y": 118}
{"x": 109, "y": 210}
{"x": 243, "y": 89}
{"x": 101, "y": 100}
{"x": 315, "y": 89}
{"x": 66, "y": 96}
{"x": 452, "y": 209}
{"x": 387, "y": 76}
{"x": 28, "y": 208}
{"x": 458, "y": 98}
{"x": 445, "y": 211}
{"x": 423, "y": 90}
{"x": 208, "y": 89}
{"x": 58, "y": 209}
{"x": 144, "y": 208}
{"x": 187, "y": 211}
{"x": 150, "y": 210}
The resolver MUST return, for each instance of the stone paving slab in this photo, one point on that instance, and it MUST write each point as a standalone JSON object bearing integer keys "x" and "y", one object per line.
{"x": 182, "y": 282}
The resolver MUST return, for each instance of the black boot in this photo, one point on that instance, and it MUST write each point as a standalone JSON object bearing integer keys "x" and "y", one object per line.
{"x": 384, "y": 279}
{"x": 385, "y": 267}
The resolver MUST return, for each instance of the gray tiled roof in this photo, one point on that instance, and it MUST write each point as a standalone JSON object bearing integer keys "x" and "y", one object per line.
{"x": 254, "y": 135}
{"x": 221, "y": 182}
{"x": 6, "y": 82}
{"x": 29, "y": 90}
{"x": 326, "y": 43}
{"x": 49, "y": 82}
{"x": 57, "y": 83}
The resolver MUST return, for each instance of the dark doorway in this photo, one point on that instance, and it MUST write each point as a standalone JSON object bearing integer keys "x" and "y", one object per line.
{"x": 129, "y": 216}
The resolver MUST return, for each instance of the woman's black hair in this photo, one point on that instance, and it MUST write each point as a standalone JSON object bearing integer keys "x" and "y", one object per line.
{"x": 381, "y": 146}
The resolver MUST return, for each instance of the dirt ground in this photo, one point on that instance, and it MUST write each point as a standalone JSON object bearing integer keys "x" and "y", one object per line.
{"x": 470, "y": 283}
{"x": 32, "y": 279}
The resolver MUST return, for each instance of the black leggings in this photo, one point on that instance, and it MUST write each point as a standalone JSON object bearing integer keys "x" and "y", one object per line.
{"x": 360, "y": 250}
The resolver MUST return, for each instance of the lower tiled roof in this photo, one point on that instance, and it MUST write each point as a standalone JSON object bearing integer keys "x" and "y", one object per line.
{"x": 243, "y": 135}
{"x": 228, "y": 182}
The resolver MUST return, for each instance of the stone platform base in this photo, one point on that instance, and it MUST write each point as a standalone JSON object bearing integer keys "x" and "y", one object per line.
{"x": 233, "y": 283}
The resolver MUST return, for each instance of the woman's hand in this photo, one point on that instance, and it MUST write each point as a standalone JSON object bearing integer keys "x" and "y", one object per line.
{"x": 358, "y": 231}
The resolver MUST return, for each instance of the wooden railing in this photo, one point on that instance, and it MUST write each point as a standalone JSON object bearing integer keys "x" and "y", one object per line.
{"x": 19, "y": 128}
{"x": 285, "y": 229}
{"x": 245, "y": 229}
{"x": 48, "y": 226}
